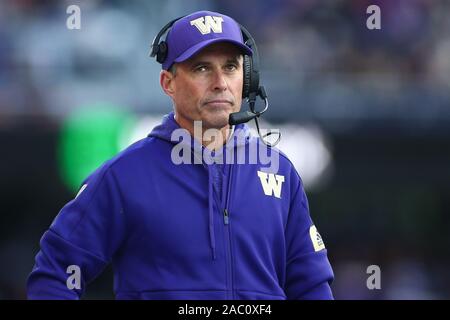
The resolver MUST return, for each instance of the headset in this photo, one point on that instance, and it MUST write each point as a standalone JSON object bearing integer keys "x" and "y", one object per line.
{"x": 251, "y": 88}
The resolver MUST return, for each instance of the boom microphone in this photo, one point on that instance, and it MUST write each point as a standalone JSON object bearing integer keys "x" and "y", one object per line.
{"x": 245, "y": 116}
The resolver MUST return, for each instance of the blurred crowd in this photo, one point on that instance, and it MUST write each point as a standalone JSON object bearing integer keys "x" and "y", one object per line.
{"x": 318, "y": 57}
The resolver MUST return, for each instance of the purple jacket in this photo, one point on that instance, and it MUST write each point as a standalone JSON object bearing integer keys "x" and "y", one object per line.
{"x": 186, "y": 231}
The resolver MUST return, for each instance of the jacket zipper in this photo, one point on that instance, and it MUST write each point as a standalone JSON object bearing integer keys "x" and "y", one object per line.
{"x": 225, "y": 216}
{"x": 227, "y": 236}
{"x": 226, "y": 220}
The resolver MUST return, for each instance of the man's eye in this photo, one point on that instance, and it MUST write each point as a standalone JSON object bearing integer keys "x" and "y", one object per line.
{"x": 200, "y": 69}
{"x": 231, "y": 67}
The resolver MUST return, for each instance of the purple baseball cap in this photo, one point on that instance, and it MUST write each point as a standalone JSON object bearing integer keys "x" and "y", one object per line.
{"x": 194, "y": 32}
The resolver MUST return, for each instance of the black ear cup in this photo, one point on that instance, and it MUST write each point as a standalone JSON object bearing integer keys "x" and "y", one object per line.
{"x": 159, "y": 49}
{"x": 251, "y": 67}
{"x": 162, "y": 52}
{"x": 247, "y": 69}
{"x": 251, "y": 77}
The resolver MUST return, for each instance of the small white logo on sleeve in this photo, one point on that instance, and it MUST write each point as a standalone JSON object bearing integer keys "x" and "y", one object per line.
{"x": 81, "y": 190}
{"x": 316, "y": 239}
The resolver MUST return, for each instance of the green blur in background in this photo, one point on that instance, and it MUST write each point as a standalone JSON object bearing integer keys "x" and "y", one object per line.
{"x": 89, "y": 136}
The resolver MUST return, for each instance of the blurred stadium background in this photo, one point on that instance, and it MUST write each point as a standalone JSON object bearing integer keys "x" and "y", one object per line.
{"x": 365, "y": 116}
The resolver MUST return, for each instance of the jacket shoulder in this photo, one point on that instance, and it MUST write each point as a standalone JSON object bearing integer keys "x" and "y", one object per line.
{"x": 138, "y": 151}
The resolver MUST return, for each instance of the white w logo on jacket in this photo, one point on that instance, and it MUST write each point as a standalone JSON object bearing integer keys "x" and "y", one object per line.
{"x": 205, "y": 24}
{"x": 271, "y": 183}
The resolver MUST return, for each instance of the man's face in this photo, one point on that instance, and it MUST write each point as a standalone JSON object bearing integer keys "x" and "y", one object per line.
{"x": 206, "y": 87}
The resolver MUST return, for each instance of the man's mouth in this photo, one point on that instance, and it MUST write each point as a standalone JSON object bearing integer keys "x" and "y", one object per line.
{"x": 219, "y": 103}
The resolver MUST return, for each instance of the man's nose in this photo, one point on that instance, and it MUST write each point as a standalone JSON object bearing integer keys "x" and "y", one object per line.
{"x": 219, "y": 81}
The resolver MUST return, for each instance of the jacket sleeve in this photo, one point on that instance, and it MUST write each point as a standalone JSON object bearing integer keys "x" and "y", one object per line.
{"x": 309, "y": 273}
{"x": 80, "y": 242}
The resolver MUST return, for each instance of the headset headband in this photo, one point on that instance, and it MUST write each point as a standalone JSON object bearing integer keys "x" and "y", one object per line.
{"x": 248, "y": 40}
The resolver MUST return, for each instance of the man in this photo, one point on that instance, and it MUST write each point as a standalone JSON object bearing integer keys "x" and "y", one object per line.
{"x": 196, "y": 228}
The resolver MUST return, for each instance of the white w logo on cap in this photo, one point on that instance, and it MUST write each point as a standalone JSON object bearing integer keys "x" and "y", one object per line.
{"x": 205, "y": 24}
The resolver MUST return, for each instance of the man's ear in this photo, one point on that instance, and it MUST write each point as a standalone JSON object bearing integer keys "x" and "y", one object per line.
{"x": 166, "y": 82}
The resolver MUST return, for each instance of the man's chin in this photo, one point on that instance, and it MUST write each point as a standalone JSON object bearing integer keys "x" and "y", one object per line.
{"x": 217, "y": 119}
